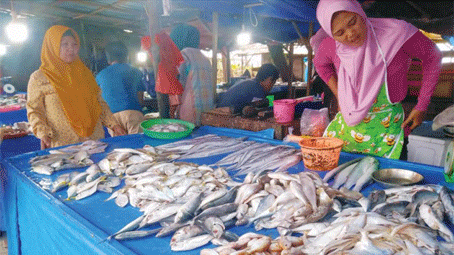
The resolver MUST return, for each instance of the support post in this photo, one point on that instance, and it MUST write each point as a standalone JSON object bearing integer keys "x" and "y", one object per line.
{"x": 214, "y": 62}
{"x": 153, "y": 7}
{"x": 309, "y": 61}
{"x": 290, "y": 80}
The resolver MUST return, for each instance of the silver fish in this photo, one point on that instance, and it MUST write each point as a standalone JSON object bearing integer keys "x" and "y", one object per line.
{"x": 187, "y": 210}
{"x": 135, "y": 234}
{"x": 191, "y": 243}
{"x": 130, "y": 226}
{"x": 448, "y": 203}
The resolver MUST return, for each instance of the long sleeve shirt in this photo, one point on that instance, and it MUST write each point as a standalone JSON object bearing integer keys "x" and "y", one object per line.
{"x": 326, "y": 63}
{"x": 46, "y": 116}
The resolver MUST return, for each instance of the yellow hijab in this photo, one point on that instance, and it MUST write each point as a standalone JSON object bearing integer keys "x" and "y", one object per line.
{"x": 74, "y": 83}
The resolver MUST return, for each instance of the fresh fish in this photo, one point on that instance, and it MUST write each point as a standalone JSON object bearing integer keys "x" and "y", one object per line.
{"x": 431, "y": 220}
{"x": 171, "y": 228}
{"x": 365, "y": 167}
{"x": 121, "y": 199}
{"x": 186, "y": 211}
{"x": 297, "y": 190}
{"x": 217, "y": 211}
{"x": 309, "y": 190}
{"x": 339, "y": 168}
{"x": 342, "y": 177}
{"x": 448, "y": 203}
{"x": 420, "y": 197}
{"x": 83, "y": 193}
{"x": 130, "y": 226}
{"x": 223, "y": 198}
{"x": 186, "y": 232}
{"x": 42, "y": 169}
{"x": 135, "y": 234}
{"x": 366, "y": 247}
{"x": 61, "y": 182}
{"x": 79, "y": 178}
{"x": 372, "y": 165}
{"x": 191, "y": 243}
{"x": 376, "y": 197}
{"x": 398, "y": 207}
{"x": 215, "y": 226}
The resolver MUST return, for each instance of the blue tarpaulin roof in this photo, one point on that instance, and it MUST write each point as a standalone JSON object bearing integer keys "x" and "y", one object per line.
{"x": 266, "y": 19}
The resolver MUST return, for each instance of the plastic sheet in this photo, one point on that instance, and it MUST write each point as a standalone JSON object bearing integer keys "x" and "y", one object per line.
{"x": 43, "y": 223}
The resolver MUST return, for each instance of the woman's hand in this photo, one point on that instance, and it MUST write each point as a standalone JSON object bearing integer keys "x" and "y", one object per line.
{"x": 118, "y": 130}
{"x": 45, "y": 142}
{"x": 415, "y": 118}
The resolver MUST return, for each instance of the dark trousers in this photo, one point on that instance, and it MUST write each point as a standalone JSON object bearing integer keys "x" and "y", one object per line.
{"x": 163, "y": 105}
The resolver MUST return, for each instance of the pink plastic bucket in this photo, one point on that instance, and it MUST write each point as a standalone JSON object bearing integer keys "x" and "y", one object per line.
{"x": 284, "y": 110}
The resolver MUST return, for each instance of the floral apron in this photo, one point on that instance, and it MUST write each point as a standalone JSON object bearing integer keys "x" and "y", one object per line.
{"x": 378, "y": 134}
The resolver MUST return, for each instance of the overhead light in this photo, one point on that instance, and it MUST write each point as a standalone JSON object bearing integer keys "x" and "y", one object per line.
{"x": 2, "y": 49}
{"x": 127, "y": 31}
{"x": 141, "y": 56}
{"x": 16, "y": 31}
{"x": 444, "y": 46}
{"x": 243, "y": 38}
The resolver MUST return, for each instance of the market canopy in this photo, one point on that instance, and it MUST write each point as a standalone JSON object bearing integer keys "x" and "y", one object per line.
{"x": 277, "y": 20}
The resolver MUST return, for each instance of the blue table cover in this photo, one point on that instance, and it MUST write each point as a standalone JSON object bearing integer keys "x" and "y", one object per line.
{"x": 13, "y": 147}
{"x": 39, "y": 222}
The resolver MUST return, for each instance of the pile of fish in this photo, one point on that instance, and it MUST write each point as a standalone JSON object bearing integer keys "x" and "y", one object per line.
{"x": 203, "y": 214}
{"x": 352, "y": 232}
{"x": 353, "y": 174}
{"x": 245, "y": 156}
{"x": 65, "y": 158}
{"x": 168, "y": 128}
{"x": 90, "y": 146}
{"x": 407, "y": 220}
{"x": 197, "y": 204}
{"x": 48, "y": 164}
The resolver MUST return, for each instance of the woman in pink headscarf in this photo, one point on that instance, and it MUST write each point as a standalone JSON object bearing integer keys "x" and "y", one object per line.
{"x": 365, "y": 62}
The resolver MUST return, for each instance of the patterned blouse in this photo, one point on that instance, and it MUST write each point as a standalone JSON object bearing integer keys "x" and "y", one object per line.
{"x": 46, "y": 116}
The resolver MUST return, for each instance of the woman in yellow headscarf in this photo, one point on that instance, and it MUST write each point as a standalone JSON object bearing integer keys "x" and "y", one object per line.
{"x": 64, "y": 103}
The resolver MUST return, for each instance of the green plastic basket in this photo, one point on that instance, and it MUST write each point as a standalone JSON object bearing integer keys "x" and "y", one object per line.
{"x": 166, "y": 135}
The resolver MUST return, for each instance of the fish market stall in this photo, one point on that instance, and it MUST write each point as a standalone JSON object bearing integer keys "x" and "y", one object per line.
{"x": 48, "y": 213}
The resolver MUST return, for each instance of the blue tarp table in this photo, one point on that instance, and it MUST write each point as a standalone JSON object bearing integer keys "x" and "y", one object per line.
{"x": 39, "y": 222}
{"x": 14, "y": 146}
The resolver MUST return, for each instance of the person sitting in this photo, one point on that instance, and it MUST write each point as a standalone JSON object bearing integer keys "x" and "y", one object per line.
{"x": 64, "y": 104}
{"x": 243, "y": 92}
{"x": 122, "y": 88}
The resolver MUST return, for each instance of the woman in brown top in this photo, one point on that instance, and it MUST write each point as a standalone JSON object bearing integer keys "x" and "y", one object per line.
{"x": 64, "y": 104}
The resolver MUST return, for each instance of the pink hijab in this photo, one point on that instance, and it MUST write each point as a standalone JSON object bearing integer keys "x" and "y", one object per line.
{"x": 362, "y": 70}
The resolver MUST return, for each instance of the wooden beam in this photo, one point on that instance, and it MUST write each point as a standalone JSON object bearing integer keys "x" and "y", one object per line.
{"x": 214, "y": 62}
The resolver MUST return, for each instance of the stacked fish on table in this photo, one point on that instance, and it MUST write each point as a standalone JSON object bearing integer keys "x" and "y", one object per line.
{"x": 197, "y": 204}
{"x": 408, "y": 220}
{"x": 65, "y": 158}
{"x": 245, "y": 156}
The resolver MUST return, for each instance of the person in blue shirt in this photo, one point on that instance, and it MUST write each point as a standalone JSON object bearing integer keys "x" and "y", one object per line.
{"x": 243, "y": 92}
{"x": 122, "y": 88}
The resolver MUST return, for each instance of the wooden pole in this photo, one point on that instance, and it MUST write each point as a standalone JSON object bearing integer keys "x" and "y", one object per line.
{"x": 226, "y": 63}
{"x": 290, "y": 80}
{"x": 214, "y": 62}
{"x": 309, "y": 61}
{"x": 152, "y": 10}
